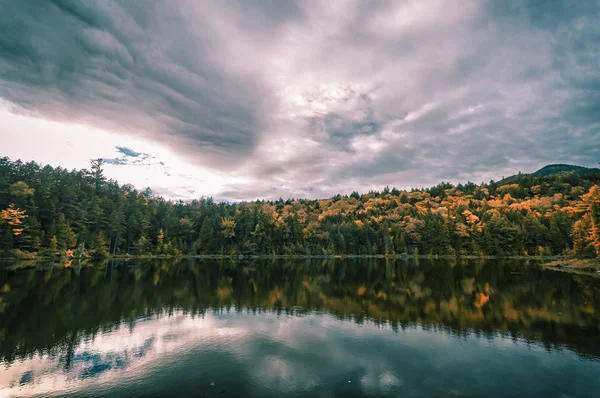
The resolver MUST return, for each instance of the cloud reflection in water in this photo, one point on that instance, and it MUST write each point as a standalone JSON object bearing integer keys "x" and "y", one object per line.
{"x": 270, "y": 354}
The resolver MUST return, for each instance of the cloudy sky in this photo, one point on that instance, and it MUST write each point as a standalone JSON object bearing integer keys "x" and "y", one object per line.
{"x": 242, "y": 99}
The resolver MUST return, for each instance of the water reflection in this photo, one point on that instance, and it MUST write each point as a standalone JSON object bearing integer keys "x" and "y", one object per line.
{"x": 327, "y": 328}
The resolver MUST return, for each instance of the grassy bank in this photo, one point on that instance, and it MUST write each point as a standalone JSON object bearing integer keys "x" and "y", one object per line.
{"x": 577, "y": 265}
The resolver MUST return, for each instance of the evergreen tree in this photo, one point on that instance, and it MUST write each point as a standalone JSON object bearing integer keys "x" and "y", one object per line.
{"x": 49, "y": 211}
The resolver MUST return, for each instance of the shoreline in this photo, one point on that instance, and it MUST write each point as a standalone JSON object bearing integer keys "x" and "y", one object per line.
{"x": 554, "y": 263}
{"x": 588, "y": 267}
{"x": 403, "y": 256}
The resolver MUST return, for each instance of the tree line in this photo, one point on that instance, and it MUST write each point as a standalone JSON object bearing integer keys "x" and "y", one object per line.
{"x": 46, "y": 212}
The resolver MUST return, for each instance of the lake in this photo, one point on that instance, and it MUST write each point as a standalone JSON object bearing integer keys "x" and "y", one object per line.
{"x": 302, "y": 328}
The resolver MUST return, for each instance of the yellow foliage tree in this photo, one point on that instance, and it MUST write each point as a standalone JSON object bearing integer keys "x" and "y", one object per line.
{"x": 586, "y": 231}
{"x": 21, "y": 189}
{"x": 228, "y": 227}
{"x": 592, "y": 201}
{"x": 14, "y": 218}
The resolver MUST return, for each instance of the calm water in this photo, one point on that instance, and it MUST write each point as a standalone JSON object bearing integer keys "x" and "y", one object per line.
{"x": 300, "y": 329}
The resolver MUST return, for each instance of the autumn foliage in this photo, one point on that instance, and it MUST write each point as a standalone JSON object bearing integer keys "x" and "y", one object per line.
{"x": 54, "y": 211}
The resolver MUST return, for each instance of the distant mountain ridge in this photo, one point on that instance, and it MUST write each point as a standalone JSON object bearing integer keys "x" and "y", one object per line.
{"x": 556, "y": 169}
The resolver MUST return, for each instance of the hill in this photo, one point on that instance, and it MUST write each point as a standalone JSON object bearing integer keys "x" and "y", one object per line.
{"x": 555, "y": 170}
{"x": 558, "y": 169}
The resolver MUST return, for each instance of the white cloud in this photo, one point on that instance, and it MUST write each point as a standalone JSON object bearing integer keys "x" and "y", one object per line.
{"x": 73, "y": 146}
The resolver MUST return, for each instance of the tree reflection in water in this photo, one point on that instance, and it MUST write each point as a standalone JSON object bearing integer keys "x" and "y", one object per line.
{"x": 51, "y": 308}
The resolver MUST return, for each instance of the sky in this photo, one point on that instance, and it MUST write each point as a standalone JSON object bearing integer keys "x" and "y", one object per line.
{"x": 261, "y": 99}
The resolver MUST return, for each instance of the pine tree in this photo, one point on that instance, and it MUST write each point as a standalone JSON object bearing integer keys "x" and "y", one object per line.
{"x": 99, "y": 247}
{"x": 400, "y": 242}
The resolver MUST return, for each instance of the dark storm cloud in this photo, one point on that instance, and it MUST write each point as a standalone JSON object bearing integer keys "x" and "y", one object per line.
{"x": 133, "y": 66}
{"x": 308, "y": 98}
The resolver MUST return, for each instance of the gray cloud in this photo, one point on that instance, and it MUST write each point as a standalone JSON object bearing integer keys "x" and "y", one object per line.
{"x": 134, "y": 67}
{"x": 310, "y": 99}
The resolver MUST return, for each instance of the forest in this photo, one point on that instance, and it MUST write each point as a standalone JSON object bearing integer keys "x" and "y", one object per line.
{"x": 52, "y": 212}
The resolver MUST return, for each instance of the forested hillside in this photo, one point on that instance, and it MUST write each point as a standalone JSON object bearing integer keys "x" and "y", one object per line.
{"x": 52, "y": 211}
{"x": 553, "y": 170}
